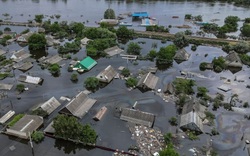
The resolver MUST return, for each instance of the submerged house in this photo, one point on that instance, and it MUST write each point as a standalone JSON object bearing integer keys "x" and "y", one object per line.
{"x": 85, "y": 41}
{"x": 137, "y": 117}
{"x": 113, "y": 51}
{"x": 20, "y": 55}
{"x": 191, "y": 121}
{"x": 169, "y": 89}
{"x": 30, "y": 79}
{"x": 233, "y": 60}
{"x": 78, "y": 106}
{"x": 24, "y": 37}
{"x": 148, "y": 81}
{"x": 86, "y": 64}
{"x": 107, "y": 74}
{"x": 23, "y": 66}
{"x": 194, "y": 105}
{"x": 25, "y": 126}
{"x": 181, "y": 55}
{"x": 2, "y": 52}
{"x": 50, "y": 105}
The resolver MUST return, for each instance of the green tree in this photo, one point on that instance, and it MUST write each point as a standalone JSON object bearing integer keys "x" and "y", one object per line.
{"x": 1, "y": 32}
{"x": 74, "y": 77}
{"x": 37, "y": 136}
{"x": 6, "y": 29}
{"x": 245, "y": 30}
{"x": 202, "y": 91}
{"x": 168, "y": 138}
{"x": 37, "y": 41}
{"x": 69, "y": 128}
{"x": 55, "y": 27}
{"x": 219, "y": 64}
{"x": 98, "y": 33}
{"x": 92, "y": 83}
{"x": 39, "y": 18}
{"x": 109, "y": 14}
{"x": 77, "y": 28}
{"x": 169, "y": 151}
{"x": 173, "y": 121}
{"x": 152, "y": 54}
{"x": 40, "y": 112}
{"x": 54, "y": 69}
{"x": 166, "y": 55}
{"x": 184, "y": 86}
{"x": 125, "y": 72}
{"x": 180, "y": 40}
{"x": 131, "y": 82}
{"x": 134, "y": 48}
{"x": 20, "y": 87}
{"x": 188, "y": 16}
{"x": 124, "y": 33}
{"x": 25, "y": 31}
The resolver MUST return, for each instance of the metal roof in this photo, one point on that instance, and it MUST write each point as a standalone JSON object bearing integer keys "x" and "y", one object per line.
{"x": 113, "y": 50}
{"x": 86, "y": 63}
{"x": 50, "y": 105}
{"x": 79, "y": 106}
{"x": 30, "y": 79}
{"x": 53, "y": 59}
{"x": 194, "y": 105}
{"x": 191, "y": 121}
{"x": 107, "y": 74}
{"x": 148, "y": 80}
{"x": 137, "y": 117}
{"x": 140, "y": 14}
{"x": 181, "y": 55}
{"x": 6, "y": 86}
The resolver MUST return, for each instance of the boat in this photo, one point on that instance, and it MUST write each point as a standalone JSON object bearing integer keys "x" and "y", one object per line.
{"x": 175, "y": 16}
{"x": 125, "y": 24}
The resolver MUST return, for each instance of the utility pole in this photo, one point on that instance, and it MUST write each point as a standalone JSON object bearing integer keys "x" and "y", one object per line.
{"x": 31, "y": 145}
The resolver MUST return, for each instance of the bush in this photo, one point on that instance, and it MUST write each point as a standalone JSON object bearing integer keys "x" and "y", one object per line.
{"x": 214, "y": 132}
{"x": 54, "y": 69}
{"x": 40, "y": 112}
{"x": 184, "y": 86}
{"x": 37, "y": 136}
{"x": 125, "y": 72}
{"x": 192, "y": 136}
{"x": 74, "y": 77}
{"x": 246, "y": 105}
{"x": 194, "y": 47}
{"x": 173, "y": 121}
{"x": 20, "y": 87}
{"x": 131, "y": 82}
{"x": 15, "y": 119}
{"x": 92, "y": 83}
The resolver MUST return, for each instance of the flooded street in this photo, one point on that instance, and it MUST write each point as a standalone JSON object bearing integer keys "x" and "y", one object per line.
{"x": 113, "y": 132}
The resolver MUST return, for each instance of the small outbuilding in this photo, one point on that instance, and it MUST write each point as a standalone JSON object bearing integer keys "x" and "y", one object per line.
{"x": 191, "y": 121}
{"x": 52, "y": 59}
{"x": 137, "y": 117}
{"x": 86, "y": 64}
{"x": 100, "y": 113}
{"x": 107, "y": 74}
{"x": 27, "y": 124}
{"x": 4, "y": 86}
{"x": 148, "y": 81}
{"x": 181, "y": 55}
{"x": 30, "y": 79}
{"x": 113, "y": 51}
{"x": 233, "y": 60}
{"x": 78, "y": 106}
{"x": 23, "y": 66}
{"x": 24, "y": 37}
{"x": 20, "y": 55}
{"x": 169, "y": 88}
{"x": 7, "y": 116}
{"x": 50, "y": 105}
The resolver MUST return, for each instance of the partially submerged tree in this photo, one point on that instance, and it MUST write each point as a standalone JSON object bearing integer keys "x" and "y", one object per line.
{"x": 20, "y": 87}
{"x": 109, "y": 14}
{"x": 125, "y": 72}
{"x": 134, "y": 49}
{"x": 54, "y": 69}
{"x": 92, "y": 83}
{"x": 131, "y": 82}
{"x": 37, "y": 41}
{"x": 180, "y": 40}
{"x": 166, "y": 55}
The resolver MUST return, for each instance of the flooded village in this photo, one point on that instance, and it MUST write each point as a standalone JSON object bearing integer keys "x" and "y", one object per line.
{"x": 124, "y": 79}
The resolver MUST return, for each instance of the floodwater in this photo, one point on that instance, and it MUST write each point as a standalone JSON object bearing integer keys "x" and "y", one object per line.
{"x": 111, "y": 130}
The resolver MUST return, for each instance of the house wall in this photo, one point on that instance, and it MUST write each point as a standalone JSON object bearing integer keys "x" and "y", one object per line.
{"x": 18, "y": 133}
{"x": 137, "y": 121}
{"x": 102, "y": 78}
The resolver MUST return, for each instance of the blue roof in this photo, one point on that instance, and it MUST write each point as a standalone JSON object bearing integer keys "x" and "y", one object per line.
{"x": 140, "y": 14}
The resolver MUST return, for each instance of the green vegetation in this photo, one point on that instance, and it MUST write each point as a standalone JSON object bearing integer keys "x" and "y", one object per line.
{"x": 131, "y": 82}
{"x": 74, "y": 77}
{"x": 6, "y": 29}
{"x": 123, "y": 33}
{"x": 125, "y": 72}
{"x": 15, "y": 120}
{"x": 240, "y": 47}
{"x": 203, "y": 66}
{"x": 184, "y": 86}
{"x": 173, "y": 121}
{"x": 98, "y": 33}
{"x": 39, "y": 18}
{"x": 245, "y": 30}
{"x": 20, "y": 87}
{"x": 202, "y": 93}
{"x": 168, "y": 138}
{"x": 246, "y": 105}
{"x": 109, "y": 14}
{"x": 97, "y": 46}
{"x": 188, "y": 16}
{"x": 4, "y": 75}
{"x": 194, "y": 47}
{"x": 152, "y": 55}
{"x": 74, "y": 46}
{"x": 165, "y": 55}
{"x": 245, "y": 59}
{"x": 92, "y": 83}
{"x": 219, "y": 64}
{"x": 157, "y": 28}
{"x": 210, "y": 117}
{"x": 214, "y": 131}
{"x": 134, "y": 48}
{"x": 54, "y": 69}
{"x": 37, "y": 41}
{"x": 169, "y": 151}
{"x": 25, "y": 31}
{"x": 192, "y": 136}
{"x": 69, "y": 128}
{"x": 211, "y": 28}
{"x": 37, "y": 136}
{"x": 39, "y": 112}
{"x": 180, "y": 40}
{"x": 181, "y": 100}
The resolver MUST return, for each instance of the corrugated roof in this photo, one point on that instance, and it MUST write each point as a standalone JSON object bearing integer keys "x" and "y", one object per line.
{"x": 100, "y": 113}
{"x": 26, "y": 124}
{"x": 140, "y": 14}
{"x": 233, "y": 60}
{"x": 6, "y": 86}
{"x": 181, "y": 55}
{"x": 169, "y": 88}
{"x": 53, "y": 59}
{"x": 137, "y": 117}
{"x": 30, "y": 79}
{"x": 194, "y": 105}
{"x": 50, "y": 105}
{"x": 107, "y": 74}
{"x": 87, "y": 63}
{"x": 149, "y": 80}
{"x": 191, "y": 121}
{"x": 20, "y": 55}
{"x": 113, "y": 51}
{"x": 23, "y": 66}
{"x": 79, "y": 106}
{"x": 49, "y": 128}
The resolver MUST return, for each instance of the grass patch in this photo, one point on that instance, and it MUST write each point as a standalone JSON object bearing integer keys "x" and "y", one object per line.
{"x": 15, "y": 120}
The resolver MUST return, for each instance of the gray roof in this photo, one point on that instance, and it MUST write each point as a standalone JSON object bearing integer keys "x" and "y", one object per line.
{"x": 113, "y": 51}
{"x": 148, "y": 80}
{"x": 191, "y": 121}
{"x": 26, "y": 124}
{"x": 169, "y": 88}
{"x": 107, "y": 74}
{"x": 79, "y": 106}
{"x": 6, "y": 86}
{"x": 49, "y": 128}
{"x": 20, "y": 55}
{"x": 53, "y": 59}
{"x": 233, "y": 60}
{"x": 50, "y": 105}
{"x": 100, "y": 113}
{"x": 23, "y": 66}
{"x": 137, "y": 117}
{"x": 181, "y": 55}
{"x": 2, "y": 52}
{"x": 194, "y": 105}
{"x": 30, "y": 79}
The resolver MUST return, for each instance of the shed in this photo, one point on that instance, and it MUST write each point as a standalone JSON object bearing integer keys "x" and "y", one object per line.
{"x": 148, "y": 81}
{"x": 85, "y": 41}
{"x": 233, "y": 60}
{"x": 113, "y": 50}
{"x": 194, "y": 105}
{"x": 2, "y": 52}
{"x": 7, "y": 116}
{"x": 52, "y": 59}
{"x": 181, "y": 55}
{"x": 107, "y": 74}
{"x": 224, "y": 88}
{"x": 30, "y": 79}
{"x": 50, "y": 105}
{"x": 20, "y": 55}
{"x": 4, "y": 86}
{"x": 86, "y": 64}
{"x": 78, "y": 106}
{"x": 191, "y": 121}
{"x": 137, "y": 117}
{"x": 100, "y": 113}
{"x": 25, "y": 125}
{"x": 169, "y": 88}
{"x": 23, "y": 66}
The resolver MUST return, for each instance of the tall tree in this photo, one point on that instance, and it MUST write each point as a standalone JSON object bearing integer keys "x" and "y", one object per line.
{"x": 109, "y": 14}
{"x": 134, "y": 48}
{"x": 37, "y": 41}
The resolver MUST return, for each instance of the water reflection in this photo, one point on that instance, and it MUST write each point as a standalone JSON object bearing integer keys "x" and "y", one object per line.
{"x": 36, "y": 54}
